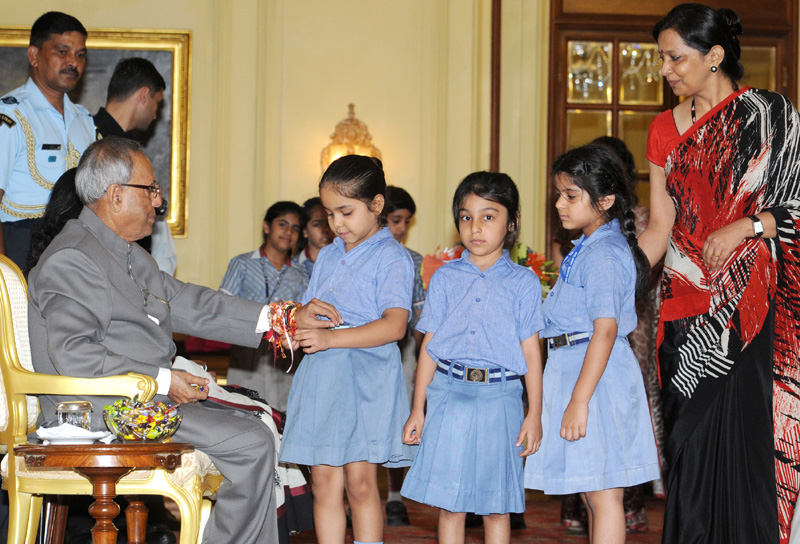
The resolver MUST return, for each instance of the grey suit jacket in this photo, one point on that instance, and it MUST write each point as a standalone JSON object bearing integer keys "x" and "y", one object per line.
{"x": 88, "y": 318}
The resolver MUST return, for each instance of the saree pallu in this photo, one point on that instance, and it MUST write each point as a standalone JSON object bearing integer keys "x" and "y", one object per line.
{"x": 729, "y": 367}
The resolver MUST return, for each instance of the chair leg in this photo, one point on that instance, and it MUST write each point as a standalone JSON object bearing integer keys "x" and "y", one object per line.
{"x": 34, "y": 513}
{"x": 136, "y": 518}
{"x": 56, "y": 510}
{"x": 205, "y": 513}
{"x": 18, "y": 512}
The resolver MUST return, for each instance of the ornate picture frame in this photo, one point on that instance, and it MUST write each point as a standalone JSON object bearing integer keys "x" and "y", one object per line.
{"x": 166, "y": 142}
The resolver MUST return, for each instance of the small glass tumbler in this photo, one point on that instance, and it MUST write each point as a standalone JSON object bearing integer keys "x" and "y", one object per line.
{"x": 78, "y": 413}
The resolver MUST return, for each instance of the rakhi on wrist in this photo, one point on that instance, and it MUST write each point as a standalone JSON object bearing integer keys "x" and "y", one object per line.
{"x": 282, "y": 320}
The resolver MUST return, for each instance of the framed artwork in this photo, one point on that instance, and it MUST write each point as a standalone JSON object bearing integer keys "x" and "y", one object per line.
{"x": 166, "y": 142}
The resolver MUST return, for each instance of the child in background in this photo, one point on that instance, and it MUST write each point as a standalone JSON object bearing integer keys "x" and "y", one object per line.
{"x": 315, "y": 234}
{"x": 481, "y": 321}
{"x": 598, "y": 437}
{"x": 267, "y": 275}
{"x": 400, "y": 209}
{"x": 349, "y": 401}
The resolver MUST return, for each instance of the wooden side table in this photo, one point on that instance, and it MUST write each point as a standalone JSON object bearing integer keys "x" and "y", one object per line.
{"x": 103, "y": 465}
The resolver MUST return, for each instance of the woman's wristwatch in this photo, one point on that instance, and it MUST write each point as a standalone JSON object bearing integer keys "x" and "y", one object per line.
{"x": 758, "y": 226}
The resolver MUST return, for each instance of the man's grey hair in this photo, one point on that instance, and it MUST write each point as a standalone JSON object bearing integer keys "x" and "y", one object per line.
{"x": 104, "y": 163}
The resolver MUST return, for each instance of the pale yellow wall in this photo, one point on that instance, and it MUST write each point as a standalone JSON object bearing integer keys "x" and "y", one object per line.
{"x": 271, "y": 78}
{"x": 523, "y": 111}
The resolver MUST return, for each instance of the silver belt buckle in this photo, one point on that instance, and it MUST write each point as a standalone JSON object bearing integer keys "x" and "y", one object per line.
{"x": 559, "y": 341}
{"x": 476, "y": 374}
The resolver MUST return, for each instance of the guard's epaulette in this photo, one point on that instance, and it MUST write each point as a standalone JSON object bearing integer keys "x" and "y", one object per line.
{"x": 9, "y": 100}
{"x": 6, "y": 120}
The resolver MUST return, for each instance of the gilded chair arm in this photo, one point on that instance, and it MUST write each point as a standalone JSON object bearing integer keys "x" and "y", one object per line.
{"x": 126, "y": 385}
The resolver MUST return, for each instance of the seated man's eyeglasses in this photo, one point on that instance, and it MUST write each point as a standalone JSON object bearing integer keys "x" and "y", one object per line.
{"x": 154, "y": 188}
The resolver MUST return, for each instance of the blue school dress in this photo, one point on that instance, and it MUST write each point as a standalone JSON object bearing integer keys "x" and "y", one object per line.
{"x": 349, "y": 405}
{"x": 619, "y": 448}
{"x": 468, "y": 460}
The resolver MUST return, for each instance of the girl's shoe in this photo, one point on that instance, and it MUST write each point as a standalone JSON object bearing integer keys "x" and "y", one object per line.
{"x": 636, "y": 521}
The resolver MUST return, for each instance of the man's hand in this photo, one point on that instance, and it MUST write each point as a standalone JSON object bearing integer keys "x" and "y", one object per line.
{"x": 185, "y": 387}
{"x": 306, "y": 316}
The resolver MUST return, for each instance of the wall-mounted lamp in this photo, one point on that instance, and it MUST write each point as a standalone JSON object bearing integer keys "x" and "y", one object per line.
{"x": 351, "y": 137}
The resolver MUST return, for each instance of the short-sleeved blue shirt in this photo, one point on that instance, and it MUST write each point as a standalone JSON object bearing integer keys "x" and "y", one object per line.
{"x": 364, "y": 282}
{"x": 480, "y": 318}
{"x": 37, "y": 145}
{"x": 602, "y": 283}
{"x": 249, "y": 275}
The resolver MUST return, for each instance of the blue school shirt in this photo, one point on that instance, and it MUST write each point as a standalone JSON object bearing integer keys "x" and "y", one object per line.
{"x": 249, "y": 274}
{"x": 364, "y": 282}
{"x": 479, "y": 318}
{"x": 602, "y": 283}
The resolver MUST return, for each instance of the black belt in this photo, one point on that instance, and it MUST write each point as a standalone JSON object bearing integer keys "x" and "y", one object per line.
{"x": 476, "y": 375}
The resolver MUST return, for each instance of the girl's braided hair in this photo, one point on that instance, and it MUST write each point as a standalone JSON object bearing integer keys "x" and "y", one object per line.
{"x": 598, "y": 171}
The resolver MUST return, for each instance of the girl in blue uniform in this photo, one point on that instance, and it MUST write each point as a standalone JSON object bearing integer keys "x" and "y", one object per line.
{"x": 481, "y": 322}
{"x": 348, "y": 401}
{"x": 598, "y": 438}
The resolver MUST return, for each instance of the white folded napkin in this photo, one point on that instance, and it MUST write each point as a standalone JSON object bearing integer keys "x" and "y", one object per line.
{"x": 66, "y": 432}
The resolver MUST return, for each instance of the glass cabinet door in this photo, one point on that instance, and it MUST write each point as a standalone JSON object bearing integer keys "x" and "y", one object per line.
{"x": 589, "y": 72}
{"x": 759, "y": 67}
{"x": 608, "y": 98}
{"x": 640, "y": 81}
{"x": 583, "y": 126}
{"x": 632, "y": 129}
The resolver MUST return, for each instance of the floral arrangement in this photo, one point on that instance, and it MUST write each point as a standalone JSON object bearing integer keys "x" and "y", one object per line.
{"x": 431, "y": 263}
{"x": 545, "y": 269}
{"x": 520, "y": 254}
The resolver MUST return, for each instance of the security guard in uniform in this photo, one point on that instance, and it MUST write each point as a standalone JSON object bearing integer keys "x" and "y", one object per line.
{"x": 42, "y": 133}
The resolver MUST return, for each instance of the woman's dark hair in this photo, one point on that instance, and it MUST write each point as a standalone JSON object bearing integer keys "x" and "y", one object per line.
{"x": 626, "y": 157}
{"x": 281, "y": 208}
{"x": 596, "y": 170}
{"x": 309, "y": 206}
{"x": 702, "y": 27}
{"x": 398, "y": 198}
{"x": 358, "y": 177}
{"x": 63, "y": 206}
{"x": 496, "y": 187}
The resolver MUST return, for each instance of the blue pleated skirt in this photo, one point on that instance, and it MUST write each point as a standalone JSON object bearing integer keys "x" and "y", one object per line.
{"x": 619, "y": 448}
{"x": 468, "y": 460}
{"x": 348, "y": 405}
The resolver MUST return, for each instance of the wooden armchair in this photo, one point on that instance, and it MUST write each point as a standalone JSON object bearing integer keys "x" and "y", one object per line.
{"x": 19, "y": 410}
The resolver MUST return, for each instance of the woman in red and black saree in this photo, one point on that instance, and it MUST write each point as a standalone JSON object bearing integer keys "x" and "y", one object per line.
{"x": 725, "y": 210}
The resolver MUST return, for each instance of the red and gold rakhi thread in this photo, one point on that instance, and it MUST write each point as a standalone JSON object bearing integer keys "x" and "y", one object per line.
{"x": 284, "y": 325}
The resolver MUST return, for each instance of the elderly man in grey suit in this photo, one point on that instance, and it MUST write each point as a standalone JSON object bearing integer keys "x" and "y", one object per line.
{"x": 99, "y": 306}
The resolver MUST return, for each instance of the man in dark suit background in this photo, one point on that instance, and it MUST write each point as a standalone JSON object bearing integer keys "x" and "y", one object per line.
{"x": 135, "y": 92}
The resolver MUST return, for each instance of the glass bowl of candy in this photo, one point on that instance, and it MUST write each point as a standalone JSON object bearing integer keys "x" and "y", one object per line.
{"x": 132, "y": 420}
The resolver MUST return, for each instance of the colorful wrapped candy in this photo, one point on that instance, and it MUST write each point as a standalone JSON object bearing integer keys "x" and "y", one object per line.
{"x": 133, "y": 420}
